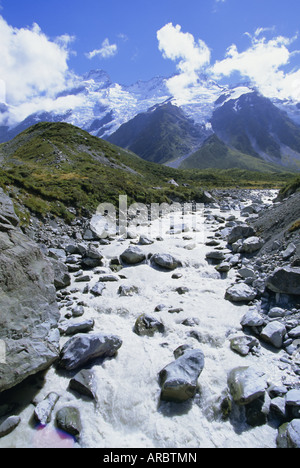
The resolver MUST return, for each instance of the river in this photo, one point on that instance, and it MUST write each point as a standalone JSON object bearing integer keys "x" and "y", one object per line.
{"x": 127, "y": 412}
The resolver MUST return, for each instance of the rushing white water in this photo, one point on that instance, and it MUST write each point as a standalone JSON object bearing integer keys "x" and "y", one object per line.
{"x": 128, "y": 412}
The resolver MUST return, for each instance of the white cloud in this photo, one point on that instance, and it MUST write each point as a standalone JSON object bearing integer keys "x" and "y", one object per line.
{"x": 261, "y": 30}
{"x": 30, "y": 64}
{"x": 107, "y": 50}
{"x": 192, "y": 57}
{"x": 32, "y": 67}
{"x": 46, "y": 104}
{"x": 263, "y": 63}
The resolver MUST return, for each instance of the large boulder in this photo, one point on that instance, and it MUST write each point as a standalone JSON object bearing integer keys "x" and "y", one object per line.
{"x": 82, "y": 349}
{"x": 178, "y": 380}
{"x": 240, "y": 292}
{"x": 101, "y": 227}
{"x": 29, "y": 311}
{"x": 62, "y": 277}
{"x": 289, "y": 435}
{"x": 251, "y": 245}
{"x": 274, "y": 333}
{"x": 133, "y": 255}
{"x": 68, "y": 419}
{"x": 246, "y": 385}
{"x": 285, "y": 280}
{"x": 240, "y": 232}
{"x": 92, "y": 258}
{"x": 165, "y": 261}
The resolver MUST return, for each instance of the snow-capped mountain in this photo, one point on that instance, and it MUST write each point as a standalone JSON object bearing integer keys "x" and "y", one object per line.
{"x": 253, "y": 125}
{"x": 102, "y": 107}
{"x": 161, "y": 134}
{"x": 105, "y": 106}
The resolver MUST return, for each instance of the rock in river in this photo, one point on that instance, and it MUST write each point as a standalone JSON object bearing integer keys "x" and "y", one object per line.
{"x": 252, "y": 244}
{"x": 240, "y": 292}
{"x": 83, "y": 348}
{"x": 166, "y": 261}
{"x": 8, "y": 425}
{"x": 43, "y": 410}
{"x": 243, "y": 344}
{"x": 68, "y": 419}
{"x": 84, "y": 383}
{"x": 178, "y": 380}
{"x": 147, "y": 325}
{"x": 246, "y": 385}
{"x": 133, "y": 255}
{"x": 289, "y": 435}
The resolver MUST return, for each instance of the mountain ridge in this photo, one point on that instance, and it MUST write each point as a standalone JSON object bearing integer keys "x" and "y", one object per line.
{"x": 253, "y": 125}
{"x": 160, "y": 134}
{"x": 57, "y": 169}
{"x": 216, "y": 154}
{"x": 102, "y": 107}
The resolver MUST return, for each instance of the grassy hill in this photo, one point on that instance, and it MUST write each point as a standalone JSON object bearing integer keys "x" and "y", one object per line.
{"x": 56, "y": 166}
{"x": 216, "y": 154}
{"x": 52, "y": 167}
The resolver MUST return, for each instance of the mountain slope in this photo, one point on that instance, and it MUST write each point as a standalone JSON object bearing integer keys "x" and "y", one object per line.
{"x": 216, "y": 154}
{"x": 253, "y": 125}
{"x": 59, "y": 169}
{"x": 160, "y": 135}
{"x": 57, "y": 166}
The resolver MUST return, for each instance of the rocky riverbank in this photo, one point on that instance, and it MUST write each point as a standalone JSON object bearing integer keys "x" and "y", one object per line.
{"x": 183, "y": 337}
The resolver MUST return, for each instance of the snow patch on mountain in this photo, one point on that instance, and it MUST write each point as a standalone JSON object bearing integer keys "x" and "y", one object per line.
{"x": 96, "y": 104}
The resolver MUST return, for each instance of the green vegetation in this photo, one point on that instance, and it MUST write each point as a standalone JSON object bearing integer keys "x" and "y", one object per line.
{"x": 215, "y": 154}
{"x": 295, "y": 226}
{"x": 290, "y": 188}
{"x": 52, "y": 167}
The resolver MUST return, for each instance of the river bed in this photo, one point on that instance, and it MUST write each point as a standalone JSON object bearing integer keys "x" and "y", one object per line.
{"x": 128, "y": 412}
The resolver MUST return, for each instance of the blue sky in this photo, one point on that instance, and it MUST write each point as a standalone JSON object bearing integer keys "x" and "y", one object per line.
{"x": 45, "y": 45}
{"x": 131, "y": 26}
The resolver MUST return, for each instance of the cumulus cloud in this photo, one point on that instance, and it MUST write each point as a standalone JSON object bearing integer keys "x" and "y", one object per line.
{"x": 263, "y": 63}
{"x": 31, "y": 64}
{"x": 33, "y": 68}
{"x": 107, "y": 50}
{"x": 191, "y": 56}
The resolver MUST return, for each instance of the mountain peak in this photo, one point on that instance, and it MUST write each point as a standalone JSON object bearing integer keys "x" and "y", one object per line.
{"x": 97, "y": 75}
{"x": 161, "y": 134}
